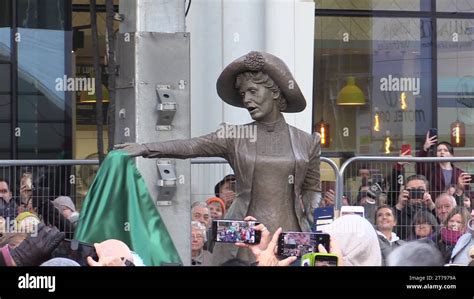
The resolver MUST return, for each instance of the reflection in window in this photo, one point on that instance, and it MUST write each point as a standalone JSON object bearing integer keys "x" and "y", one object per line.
{"x": 5, "y": 18}
{"x": 455, "y": 5}
{"x": 390, "y": 61}
{"x": 4, "y": 44}
{"x": 396, "y": 5}
{"x": 41, "y": 14}
{"x": 43, "y": 109}
{"x": 456, "y": 79}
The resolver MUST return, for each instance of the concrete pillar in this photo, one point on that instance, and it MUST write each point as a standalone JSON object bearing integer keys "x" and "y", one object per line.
{"x": 157, "y": 54}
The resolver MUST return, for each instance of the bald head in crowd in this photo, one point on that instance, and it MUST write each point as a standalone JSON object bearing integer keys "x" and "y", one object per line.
{"x": 444, "y": 204}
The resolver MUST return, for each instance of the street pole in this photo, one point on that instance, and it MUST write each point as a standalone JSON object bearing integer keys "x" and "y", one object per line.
{"x": 153, "y": 103}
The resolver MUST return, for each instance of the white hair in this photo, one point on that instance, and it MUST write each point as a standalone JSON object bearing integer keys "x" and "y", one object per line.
{"x": 451, "y": 198}
{"x": 199, "y": 226}
{"x": 201, "y": 204}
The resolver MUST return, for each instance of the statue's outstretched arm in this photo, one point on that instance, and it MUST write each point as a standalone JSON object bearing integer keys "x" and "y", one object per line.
{"x": 210, "y": 145}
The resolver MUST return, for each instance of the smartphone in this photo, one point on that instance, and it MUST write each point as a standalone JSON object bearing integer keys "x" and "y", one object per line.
{"x": 357, "y": 210}
{"x": 300, "y": 243}
{"x": 75, "y": 250}
{"x": 433, "y": 132}
{"x": 406, "y": 148}
{"x": 233, "y": 231}
{"x": 322, "y": 218}
{"x": 307, "y": 260}
{"x": 416, "y": 193}
{"x": 325, "y": 259}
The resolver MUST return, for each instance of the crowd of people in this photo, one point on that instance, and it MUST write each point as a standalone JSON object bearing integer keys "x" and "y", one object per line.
{"x": 33, "y": 229}
{"x": 427, "y": 211}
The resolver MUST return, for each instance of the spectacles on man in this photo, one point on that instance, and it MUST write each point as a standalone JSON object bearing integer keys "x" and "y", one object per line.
{"x": 197, "y": 237}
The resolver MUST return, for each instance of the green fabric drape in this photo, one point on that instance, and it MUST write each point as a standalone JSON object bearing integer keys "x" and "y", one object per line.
{"x": 118, "y": 206}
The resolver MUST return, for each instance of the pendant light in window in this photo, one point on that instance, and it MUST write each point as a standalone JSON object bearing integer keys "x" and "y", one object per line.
{"x": 350, "y": 94}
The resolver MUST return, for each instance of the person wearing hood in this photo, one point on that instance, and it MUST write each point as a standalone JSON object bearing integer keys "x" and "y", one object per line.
{"x": 65, "y": 205}
{"x": 384, "y": 223}
{"x": 356, "y": 239}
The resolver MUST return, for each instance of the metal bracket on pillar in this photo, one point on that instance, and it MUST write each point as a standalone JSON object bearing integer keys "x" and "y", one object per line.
{"x": 166, "y": 181}
{"x": 166, "y": 107}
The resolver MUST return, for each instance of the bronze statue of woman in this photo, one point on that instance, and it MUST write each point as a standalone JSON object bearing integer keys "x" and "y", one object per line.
{"x": 277, "y": 170}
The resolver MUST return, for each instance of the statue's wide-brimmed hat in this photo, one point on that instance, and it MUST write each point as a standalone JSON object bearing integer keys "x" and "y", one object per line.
{"x": 269, "y": 64}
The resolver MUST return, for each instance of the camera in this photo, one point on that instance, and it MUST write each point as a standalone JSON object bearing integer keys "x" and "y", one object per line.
{"x": 416, "y": 193}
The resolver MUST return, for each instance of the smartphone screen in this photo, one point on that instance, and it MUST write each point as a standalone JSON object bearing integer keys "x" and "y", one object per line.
{"x": 325, "y": 260}
{"x": 433, "y": 132}
{"x": 75, "y": 250}
{"x": 233, "y": 231}
{"x": 406, "y": 148}
{"x": 300, "y": 243}
{"x": 322, "y": 218}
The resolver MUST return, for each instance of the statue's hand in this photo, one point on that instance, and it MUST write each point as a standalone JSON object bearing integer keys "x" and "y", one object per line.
{"x": 132, "y": 149}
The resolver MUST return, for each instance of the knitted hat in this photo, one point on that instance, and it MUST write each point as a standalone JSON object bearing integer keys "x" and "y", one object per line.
{"x": 357, "y": 240}
{"x": 219, "y": 201}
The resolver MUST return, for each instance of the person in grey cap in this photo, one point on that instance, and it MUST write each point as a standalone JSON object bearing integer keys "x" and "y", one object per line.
{"x": 65, "y": 205}
{"x": 276, "y": 165}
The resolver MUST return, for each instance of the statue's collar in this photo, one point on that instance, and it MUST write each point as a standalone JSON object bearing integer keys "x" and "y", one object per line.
{"x": 277, "y": 125}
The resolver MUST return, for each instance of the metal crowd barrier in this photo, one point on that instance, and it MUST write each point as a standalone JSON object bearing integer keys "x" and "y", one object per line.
{"x": 380, "y": 170}
{"x": 53, "y": 178}
{"x": 43, "y": 181}
{"x": 207, "y": 172}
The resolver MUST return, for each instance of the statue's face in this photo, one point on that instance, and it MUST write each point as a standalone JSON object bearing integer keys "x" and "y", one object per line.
{"x": 258, "y": 100}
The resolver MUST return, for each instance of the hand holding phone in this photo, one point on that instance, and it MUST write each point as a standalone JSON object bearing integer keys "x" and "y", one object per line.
{"x": 75, "y": 250}
{"x": 416, "y": 193}
{"x": 433, "y": 132}
{"x": 300, "y": 243}
{"x": 235, "y": 231}
{"x": 431, "y": 139}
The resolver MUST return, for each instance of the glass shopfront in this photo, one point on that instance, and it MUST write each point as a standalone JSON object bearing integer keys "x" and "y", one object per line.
{"x": 382, "y": 78}
{"x": 35, "y": 51}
